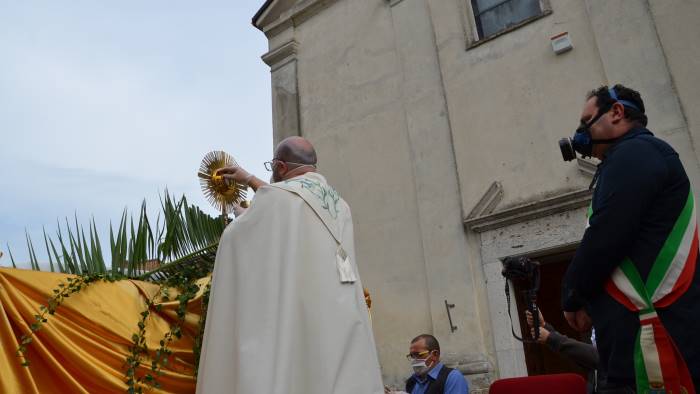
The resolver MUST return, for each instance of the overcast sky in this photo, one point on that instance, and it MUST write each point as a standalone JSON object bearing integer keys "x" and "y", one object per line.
{"x": 103, "y": 104}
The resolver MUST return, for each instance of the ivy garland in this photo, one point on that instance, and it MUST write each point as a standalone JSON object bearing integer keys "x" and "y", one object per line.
{"x": 200, "y": 328}
{"x": 137, "y": 349}
{"x": 63, "y": 291}
{"x": 184, "y": 280}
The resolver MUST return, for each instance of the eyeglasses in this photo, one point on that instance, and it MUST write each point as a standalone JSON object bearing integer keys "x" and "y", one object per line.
{"x": 269, "y": 164}
{"x": 411, "y": 356}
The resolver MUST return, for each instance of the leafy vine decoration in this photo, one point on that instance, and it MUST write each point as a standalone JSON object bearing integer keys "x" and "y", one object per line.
{"x": 200, "y": 329}
{"x": 64, "y": 290}
{"x": 186, "y": 241}
{"x": 137, "y": 349}
{"x": 184, "y": 281}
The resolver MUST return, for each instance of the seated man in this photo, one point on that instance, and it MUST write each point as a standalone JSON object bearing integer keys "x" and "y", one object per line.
{"x": 430, "y": 375}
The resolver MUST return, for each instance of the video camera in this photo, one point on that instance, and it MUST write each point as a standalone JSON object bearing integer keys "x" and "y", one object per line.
{"x": 529, "y": 271}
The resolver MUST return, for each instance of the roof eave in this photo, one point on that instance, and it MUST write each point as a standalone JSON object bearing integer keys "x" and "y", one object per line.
{"x": 258, "y": 14}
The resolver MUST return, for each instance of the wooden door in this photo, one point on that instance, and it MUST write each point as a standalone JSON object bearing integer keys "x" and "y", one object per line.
{"x": 539, "y": 358}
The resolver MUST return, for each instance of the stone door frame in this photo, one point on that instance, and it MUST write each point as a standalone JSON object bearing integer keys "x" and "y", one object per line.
{"x": 542, "y": 228}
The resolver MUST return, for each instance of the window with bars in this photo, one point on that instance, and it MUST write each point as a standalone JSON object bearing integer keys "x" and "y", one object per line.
{"x": 494, "y": 16}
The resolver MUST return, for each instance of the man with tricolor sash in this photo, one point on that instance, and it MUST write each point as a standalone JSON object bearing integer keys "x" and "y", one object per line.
{"x": 633, "y": 276}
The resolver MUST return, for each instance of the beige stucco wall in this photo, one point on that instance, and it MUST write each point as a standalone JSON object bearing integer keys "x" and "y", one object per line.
{"x": 511, "y": 99}
{"x": 412, "y": 125}
{"x": 350, "y": 88}
{"x": 677, "y": 26}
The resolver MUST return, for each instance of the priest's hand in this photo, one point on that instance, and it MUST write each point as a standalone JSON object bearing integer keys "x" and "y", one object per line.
{"x": 579, "y": 320}
{"x": 235, "y": 173}
{"x": 238, "y": 210}
{"x": 240, "y": 175}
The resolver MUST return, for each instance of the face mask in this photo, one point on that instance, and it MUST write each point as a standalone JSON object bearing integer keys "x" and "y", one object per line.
{"x": 582, "y": 141}
{"x": 419, "y": 366}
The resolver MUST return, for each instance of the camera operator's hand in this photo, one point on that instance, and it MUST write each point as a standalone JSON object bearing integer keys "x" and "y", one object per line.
{"x": 528, "y": 316}
{"x": 579, "y": 320}
{"x": 544, "y": 334}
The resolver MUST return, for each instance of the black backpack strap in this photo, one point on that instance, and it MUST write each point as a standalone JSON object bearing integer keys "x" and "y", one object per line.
{"x": 438, "y": 386}
{"x": 410, "y": 384}
{"x": 435, "y": 387}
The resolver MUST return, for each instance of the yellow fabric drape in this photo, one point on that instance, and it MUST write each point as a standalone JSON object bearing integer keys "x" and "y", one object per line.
{"x": 83, "y": 347}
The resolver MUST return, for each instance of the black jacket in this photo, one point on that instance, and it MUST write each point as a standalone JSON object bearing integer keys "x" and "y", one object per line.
{"x": 585, "y": 355}
{"x": 642, "y": 187}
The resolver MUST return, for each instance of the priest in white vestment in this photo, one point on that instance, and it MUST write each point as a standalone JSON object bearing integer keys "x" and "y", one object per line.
{"x": 287, "y": 312}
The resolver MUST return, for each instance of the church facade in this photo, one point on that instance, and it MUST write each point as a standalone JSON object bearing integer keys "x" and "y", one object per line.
{"x": 438, "y": 122}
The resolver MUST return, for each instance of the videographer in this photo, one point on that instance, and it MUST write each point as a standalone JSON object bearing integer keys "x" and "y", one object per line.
{"x": 583, "y": 354}
{"x": 635, "y": 270}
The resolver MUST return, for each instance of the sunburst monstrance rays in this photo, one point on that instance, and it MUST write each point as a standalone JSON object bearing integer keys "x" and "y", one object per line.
{"x": 222, "y": 194}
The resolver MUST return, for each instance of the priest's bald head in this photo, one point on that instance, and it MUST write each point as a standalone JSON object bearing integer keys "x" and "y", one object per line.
{"x": 294, "y": 156}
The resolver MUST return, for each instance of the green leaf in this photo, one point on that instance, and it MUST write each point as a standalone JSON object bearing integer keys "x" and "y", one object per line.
{"x": 32, "y": 255}
{"x": 48, "y": 252}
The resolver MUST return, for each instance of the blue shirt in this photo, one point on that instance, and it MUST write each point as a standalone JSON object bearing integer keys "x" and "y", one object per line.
{"x": 455, "y": 384}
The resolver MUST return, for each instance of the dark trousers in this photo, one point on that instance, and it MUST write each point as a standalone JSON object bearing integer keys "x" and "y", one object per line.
{"x": 616, "y": 389}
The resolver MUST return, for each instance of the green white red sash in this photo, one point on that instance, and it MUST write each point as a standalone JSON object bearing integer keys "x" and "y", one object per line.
{"x": 659, "y": 366}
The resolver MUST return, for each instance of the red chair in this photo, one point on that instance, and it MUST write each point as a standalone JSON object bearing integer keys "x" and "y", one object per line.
{"x": 564, "y": 383}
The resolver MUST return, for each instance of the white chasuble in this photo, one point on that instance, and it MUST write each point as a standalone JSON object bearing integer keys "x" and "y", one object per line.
{"x": 287, "y": 313}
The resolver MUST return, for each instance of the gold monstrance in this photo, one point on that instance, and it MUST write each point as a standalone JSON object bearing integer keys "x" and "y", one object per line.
{"x": 223, "y": 194}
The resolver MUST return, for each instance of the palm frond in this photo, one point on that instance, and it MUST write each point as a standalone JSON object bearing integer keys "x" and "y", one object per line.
{"x": 200, "y": 261}
{"x": 48, "y": 252}
{"x": 183, "y": 235}
{"x": 12, "y": 259}
{"x": 32, "y": 254}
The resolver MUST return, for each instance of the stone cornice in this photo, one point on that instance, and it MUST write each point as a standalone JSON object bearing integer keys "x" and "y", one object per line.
{"x": 278, "y": 26}
{"x": 530, "y": 211}
{"x": 295, "y": 16}
{"x": 281, "y": 55}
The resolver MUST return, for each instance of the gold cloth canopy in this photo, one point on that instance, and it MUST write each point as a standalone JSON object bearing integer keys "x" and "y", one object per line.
{"x": 83, "y": 347}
